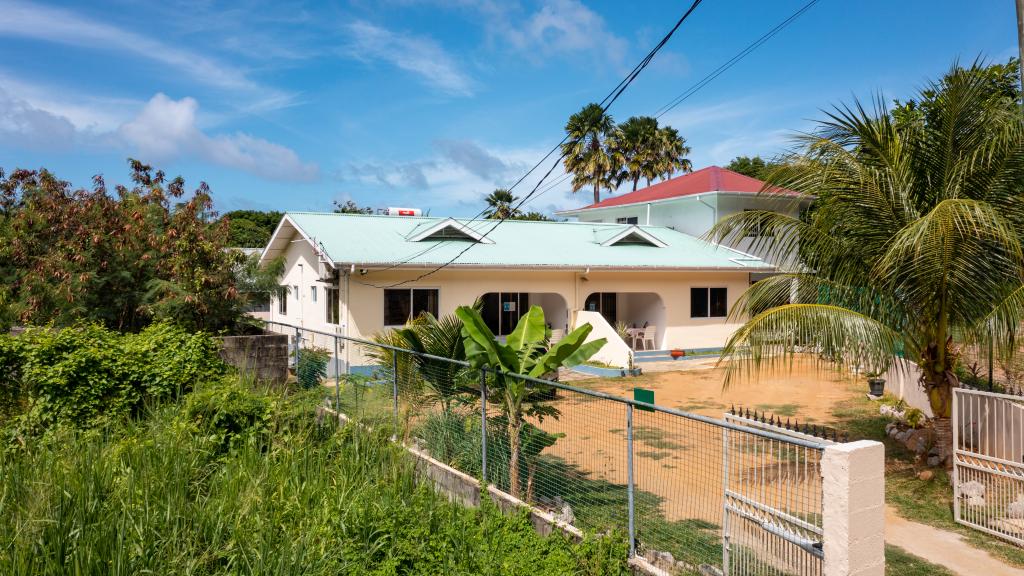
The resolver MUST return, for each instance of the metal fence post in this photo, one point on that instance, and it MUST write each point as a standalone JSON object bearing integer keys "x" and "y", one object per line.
{"x": 483, "y": 425}
{"x": 629, "y": 486}
{"x": 298, "y": 346}
{"x": 725, "y": 501}
{"x": 337, "y": 377}
{"x": 394, "y": 387}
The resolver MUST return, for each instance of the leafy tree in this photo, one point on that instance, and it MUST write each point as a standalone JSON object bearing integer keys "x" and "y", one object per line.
{"x": 534, "y": 215}
{"x": 501, "y": 205}
{"x": 753, "y": 166}
{"x": 527, "y": 351}
{"x": 914, "y": 246}
{"x": 586, "y": 153}
{"x": 122, "y": 259}
{"x": 350, "y": 207}
{"x": 251, "y": 228}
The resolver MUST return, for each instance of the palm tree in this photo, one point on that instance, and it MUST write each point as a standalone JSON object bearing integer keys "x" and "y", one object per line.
{"x": 585, "y": 151}
{"x": 635, "y": 149}
{"x": 500, "y": 205}
{"x": 913, "y": 247}
{"x": 672, "y": 152}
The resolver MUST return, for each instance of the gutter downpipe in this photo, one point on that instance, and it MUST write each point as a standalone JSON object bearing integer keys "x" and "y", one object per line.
{"x": 348, "y": 316}
{"x": 648, "y": 214}
{"x": 714, "y": 209}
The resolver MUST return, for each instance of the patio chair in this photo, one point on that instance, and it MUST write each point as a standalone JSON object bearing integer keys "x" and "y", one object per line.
{"x": 648, "y": 336}
{"x": 556, "y": 335}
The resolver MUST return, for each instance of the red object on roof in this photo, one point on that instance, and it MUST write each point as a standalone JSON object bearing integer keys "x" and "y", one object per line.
{"x": 703, "y": 181}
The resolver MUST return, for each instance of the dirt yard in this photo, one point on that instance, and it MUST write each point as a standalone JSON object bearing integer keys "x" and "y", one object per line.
{"x": 680, "y": 460}
{"x": 808, "y": 391}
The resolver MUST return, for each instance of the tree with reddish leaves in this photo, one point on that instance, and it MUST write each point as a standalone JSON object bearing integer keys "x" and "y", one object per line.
{"x": 121, "y": 258}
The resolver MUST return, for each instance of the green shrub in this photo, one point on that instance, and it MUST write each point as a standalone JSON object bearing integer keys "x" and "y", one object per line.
{"x": 229, "y": 413}
{"x": 87, "y": 375}
{"x": 11, "y": 359}
{"x": 312, "y": 367}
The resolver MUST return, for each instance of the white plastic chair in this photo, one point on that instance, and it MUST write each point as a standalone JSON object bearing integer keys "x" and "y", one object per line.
{"x": 556, "y": 335}
{"x": 648, "y": 336}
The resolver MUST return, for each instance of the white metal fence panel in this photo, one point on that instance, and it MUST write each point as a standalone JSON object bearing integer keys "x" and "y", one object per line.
{"x": 772, "y": 516}
{"x": 988, "y": 463}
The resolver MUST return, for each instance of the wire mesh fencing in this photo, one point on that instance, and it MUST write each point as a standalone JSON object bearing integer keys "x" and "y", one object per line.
{"x": 692, "y": 494}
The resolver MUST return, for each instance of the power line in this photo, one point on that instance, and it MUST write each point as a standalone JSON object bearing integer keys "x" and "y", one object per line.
{"x": 605, "y": 104}
{"x": 734, "y": 60}
{"x": 682, "y": 97}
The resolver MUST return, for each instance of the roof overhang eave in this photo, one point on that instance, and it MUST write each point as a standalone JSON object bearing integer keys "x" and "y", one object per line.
{"x": 551, "y": 267}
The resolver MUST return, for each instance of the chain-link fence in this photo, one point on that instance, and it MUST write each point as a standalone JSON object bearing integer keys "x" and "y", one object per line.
{"x": 693, "y": 494}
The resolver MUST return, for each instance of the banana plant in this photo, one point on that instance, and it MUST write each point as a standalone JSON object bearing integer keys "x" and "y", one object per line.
{"x": 527, "y": 351}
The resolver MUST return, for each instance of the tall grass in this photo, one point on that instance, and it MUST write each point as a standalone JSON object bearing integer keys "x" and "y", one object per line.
{"x": 166, "y": 495}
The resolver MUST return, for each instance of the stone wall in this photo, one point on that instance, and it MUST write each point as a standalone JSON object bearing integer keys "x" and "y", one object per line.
{"x": 263, "y": 355}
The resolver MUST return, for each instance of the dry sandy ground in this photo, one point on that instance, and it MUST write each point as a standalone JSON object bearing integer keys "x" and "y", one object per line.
{"x": 681, "y": 460}
{"x": 806, "y": 391}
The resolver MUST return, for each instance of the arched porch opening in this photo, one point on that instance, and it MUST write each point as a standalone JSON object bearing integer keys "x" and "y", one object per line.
{"x": 632, "y": 310}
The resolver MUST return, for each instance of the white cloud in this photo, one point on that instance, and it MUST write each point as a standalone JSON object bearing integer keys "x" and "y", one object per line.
{"x": 166, "y": 129}
{"x": 29, "y": 20}
{"x": 567, "y": 25}
{"x": 419, "y": 55}
{"x": 473, "y": 157}
{"x": 23, "y": 124}
{"x": 85, "y": 111}
{"x": 455, "y": 182}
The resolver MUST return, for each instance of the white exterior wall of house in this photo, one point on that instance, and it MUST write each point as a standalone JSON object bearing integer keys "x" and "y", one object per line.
{"x": 694, "y": 214}
{"x": 659, "y": 298}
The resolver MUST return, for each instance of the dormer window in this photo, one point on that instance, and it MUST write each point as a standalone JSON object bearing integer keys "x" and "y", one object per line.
{"x": 448, "y": 229}
{"x": 634, "y": 235}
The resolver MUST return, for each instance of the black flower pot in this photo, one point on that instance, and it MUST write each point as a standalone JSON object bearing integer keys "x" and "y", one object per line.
{"x": 876, "y": 386}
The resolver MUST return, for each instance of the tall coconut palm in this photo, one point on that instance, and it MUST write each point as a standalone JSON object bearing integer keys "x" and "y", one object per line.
{"x": 501, "y": 205}
{"x": 672, "y": 154}
{"x": 635, "y": 147}
{"x": 585, "y": 152}
{"x": 913, "y": 247}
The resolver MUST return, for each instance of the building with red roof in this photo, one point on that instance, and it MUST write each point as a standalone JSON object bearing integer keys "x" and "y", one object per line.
{"x": 693, "y": 203}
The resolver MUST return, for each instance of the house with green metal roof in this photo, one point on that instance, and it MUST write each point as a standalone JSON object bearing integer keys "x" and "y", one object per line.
{"x": 358, "y": 274}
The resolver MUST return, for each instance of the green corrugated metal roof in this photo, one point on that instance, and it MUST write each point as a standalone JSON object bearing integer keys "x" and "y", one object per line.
{"x": 369, "y": 240}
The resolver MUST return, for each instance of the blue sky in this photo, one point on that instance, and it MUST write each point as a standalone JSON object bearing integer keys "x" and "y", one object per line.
{"x": 433, "y": 104}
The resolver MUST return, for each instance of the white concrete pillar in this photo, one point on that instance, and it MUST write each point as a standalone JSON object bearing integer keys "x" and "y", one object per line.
{"x": 853, "y": 492}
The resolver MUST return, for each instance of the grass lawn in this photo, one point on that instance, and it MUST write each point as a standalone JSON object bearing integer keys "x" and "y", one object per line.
{"x": 928, "y": 502}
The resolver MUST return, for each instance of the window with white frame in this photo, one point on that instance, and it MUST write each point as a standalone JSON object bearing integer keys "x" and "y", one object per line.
{"x": 402, "y": 305}
{"x": 312, "y": 293}
{"x": 333, "y": 315}
{"x": 709, "y": 302}
{"x": 627, "y": 220}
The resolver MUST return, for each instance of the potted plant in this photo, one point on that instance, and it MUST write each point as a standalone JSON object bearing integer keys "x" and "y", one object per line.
{"x": 876, "y": 385}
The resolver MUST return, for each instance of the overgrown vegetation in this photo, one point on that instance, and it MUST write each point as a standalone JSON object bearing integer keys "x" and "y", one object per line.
{"x": 235, "y": 478}
{"x": 89, "y": 376}
{"x": 122, "y": 258}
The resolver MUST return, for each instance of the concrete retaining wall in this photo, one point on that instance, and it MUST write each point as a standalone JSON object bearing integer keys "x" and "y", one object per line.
{"x": 465, "y": 490}
{"x": 264, "y": 355}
